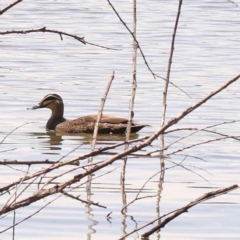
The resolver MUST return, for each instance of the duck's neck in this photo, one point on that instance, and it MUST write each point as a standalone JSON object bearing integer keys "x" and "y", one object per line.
{"x": 56, "y": 117}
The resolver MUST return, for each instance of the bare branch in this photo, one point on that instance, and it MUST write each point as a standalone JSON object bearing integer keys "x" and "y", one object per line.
{"x": 184, "y": 209}
{"x": 179, "y": 211}
{"x": 83, "y": 201}
{"x": 16, "y": 162}
{"x": 197, "y": 144}
{"x": 44, "y": 30}
{"x": 100, "y": 112}
{"x": 10, "y": 6}
{"x": 13, "y": 131}
{"x": 144, "y": 58}
{"x": 61, "y": 164}
{"x": 234, "y": 3}
{"x": 170, "y": 64}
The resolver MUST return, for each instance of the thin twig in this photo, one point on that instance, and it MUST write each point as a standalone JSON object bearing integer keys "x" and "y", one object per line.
{"x": 131, "y": 104}
{"x": 83, "y": 201}
{"x": 197, "y": 144}
{"x": 10, "y": 6}
{"x": 100, "y": 112}
{"x": 138, "y": 45}
{"x": 28, "y": 217}
{"x": 233, "y": 3}
{"x": 179, "y": 211}
{"x": 60, "y": 33}
{"x": 170, "y": 64}
{"x": 199, "y": 130}
{"x": 61, "y": 164}
{"x": 140, "y": 190}
{"x": 44, "y": 29}
{"x": 134, "y": 73}
{"x": 13, "y": 131}
{"x": 184, "y": 209}
{"x": 16, "y": 162}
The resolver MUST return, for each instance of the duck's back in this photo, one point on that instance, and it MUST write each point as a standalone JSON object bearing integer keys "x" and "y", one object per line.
{"x": 108, "y": 124}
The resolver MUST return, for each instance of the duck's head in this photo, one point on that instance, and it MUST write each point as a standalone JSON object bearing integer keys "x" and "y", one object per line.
{"x": 51, "y": 101}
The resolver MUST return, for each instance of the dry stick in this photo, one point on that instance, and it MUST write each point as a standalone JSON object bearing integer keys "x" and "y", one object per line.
{"x": 140, "y": 49}
{"x": 189, "y": 165}
{"x": 13, "y": 131}
{"x": 61, "y": 164}
{"x": 209, "y": 131}
{"x": 76, "y": 187}
{"x": 51, "y": 202}
{"x": 16, "y": 162}
{"x": 164, "y": 109}
{"x": 30, "y": 216}
{"x": 44, "y": 29}
{"x": 10, "y": 6}
{"x": 100, "y": 112}
{"x": 134, "y": 73}
{"x": 59, "y": 175}
{"x": 58, "y": 188}
{"x": 8, "y": 150}
{"x": 211, "y": 126}
{"x": 66, "y": 172}
{"x": 16, "y": 169}
{"x": 191, "y": 156}
{"x": 162, "y": 143}
{"x": 184, "y": 167}
{"x": 95, "y": 132}
{"x": 189, "y": 146}
{"x": 17, "y": 187}
{"x": 175, "y": 86}
{"x": 73, "y": 163}
{"x": 25, "y": 188}
{"x": 197, "y": 144}
{"x": 131, "y": 105}
{"x": 140, "y": 190}
{"x": 179, "y": 211}
{"x": 97, "y": 45}
{"x": 170, "y": 64}
{"x": 233, "y": 3}
{"x": 81, "y": 200}
{"x": 145, "y": 60}
{"x": 176, "y": 165}
{"x": 137, "y": 198}
{"x": 198, "y": 130}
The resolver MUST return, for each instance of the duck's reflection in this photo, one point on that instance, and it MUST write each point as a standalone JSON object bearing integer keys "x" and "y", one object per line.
{"x": 54, "y": 140}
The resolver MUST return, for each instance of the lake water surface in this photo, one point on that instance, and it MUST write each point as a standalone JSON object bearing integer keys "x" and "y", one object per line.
{"x": 206, "y": 56}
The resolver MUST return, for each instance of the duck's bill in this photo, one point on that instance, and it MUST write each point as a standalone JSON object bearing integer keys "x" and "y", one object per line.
{"x": 34, "y": 107}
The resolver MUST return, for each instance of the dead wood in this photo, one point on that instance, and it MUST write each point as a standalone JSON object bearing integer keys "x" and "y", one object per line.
{"x": 175, "y": 213}
{"x": 10, "y": 6}
{"x": 60, "y": 187}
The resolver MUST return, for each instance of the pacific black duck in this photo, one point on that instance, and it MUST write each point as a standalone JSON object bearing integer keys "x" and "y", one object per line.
{"x": 108, "y": 124}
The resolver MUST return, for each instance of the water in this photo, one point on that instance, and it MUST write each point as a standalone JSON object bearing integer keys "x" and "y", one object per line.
{"x": 205, "y": 57}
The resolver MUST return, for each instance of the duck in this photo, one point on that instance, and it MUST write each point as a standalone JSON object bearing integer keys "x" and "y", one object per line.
{"x": 107, "y": 125}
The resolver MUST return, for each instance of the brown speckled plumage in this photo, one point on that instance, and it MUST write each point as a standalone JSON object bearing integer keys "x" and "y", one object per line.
{"x": 108, "y": 124}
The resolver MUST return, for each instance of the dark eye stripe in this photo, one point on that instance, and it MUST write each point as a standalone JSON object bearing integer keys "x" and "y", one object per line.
{"x": 51, "y": 97}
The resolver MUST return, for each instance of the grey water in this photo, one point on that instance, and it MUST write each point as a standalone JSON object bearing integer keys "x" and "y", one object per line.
{"x": 206, "y": 56}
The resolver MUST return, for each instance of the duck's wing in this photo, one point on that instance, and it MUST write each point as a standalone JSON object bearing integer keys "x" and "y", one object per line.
{"x": 107, "y": 124}
{"x": 108, "y": 119}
